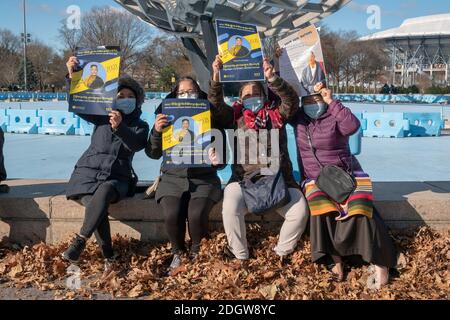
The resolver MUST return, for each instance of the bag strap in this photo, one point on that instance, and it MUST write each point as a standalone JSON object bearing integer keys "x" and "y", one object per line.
{"x": 349, "y": 170}
{"x": 312, "y": 147}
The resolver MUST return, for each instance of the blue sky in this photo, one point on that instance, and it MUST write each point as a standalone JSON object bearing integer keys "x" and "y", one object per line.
{"x": 44, "y": 16}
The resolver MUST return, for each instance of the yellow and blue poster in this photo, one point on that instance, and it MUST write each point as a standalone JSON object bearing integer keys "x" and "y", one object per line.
{"x": 240, "y": 50}
{"x": 186, "y": 139}
{"x": 94, "y": 83}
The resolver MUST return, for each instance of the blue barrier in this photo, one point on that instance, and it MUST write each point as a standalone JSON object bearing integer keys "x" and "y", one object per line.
{"x": 148, "y": 117}
{"x": 388, "y": 125}
{"x": 424, "y": 124}
{"x": 84, "y": 128}
{"x": 23, "y": 121}
{"x": 399, "y": 98}
{"x": 58, "y": 122}
{"x": 355, "y": 140}
{"x": 4, "y": 120}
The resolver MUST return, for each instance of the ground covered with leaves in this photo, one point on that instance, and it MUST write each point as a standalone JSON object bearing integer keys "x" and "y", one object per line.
{"x": 423, "y": 271}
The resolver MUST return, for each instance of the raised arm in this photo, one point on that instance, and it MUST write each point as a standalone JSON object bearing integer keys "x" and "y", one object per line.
{"x": 347, "y": 122}
{"x": 221, "y": 113}
{"x": 289, "y": 98}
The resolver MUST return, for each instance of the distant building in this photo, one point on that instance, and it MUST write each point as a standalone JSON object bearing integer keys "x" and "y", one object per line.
{"x": 420, "y": 46}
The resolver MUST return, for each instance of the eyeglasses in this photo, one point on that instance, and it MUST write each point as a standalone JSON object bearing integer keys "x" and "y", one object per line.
{"x": 187, "y": 92}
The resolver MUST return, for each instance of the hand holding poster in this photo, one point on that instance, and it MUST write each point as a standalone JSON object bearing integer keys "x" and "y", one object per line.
{"x": 188, "y": 134}
{"x": 301, "y": 63}
{"x": 93, "y": 87}
{"x": 240, "y": 50}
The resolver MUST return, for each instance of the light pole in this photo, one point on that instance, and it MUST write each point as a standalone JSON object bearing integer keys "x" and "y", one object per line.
{"x": 25, "y": 40}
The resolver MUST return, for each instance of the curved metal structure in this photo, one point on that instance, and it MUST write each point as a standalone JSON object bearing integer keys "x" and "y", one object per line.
{"x": 194, "y": 19}
{"x": 271, "y": 16}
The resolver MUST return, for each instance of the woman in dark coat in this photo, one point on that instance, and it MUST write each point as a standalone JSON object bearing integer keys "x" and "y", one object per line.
{"x": 337, "y": 230}
{"x": 103, "y": 174}
{"x": 3, "y": 187}
{"x": 186, "y": 193}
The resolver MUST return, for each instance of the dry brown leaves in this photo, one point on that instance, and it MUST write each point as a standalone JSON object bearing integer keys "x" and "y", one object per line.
{"x": 423, "y": 268}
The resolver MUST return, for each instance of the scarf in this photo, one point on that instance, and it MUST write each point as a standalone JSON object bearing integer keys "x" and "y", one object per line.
{"x": 259, "y": 120}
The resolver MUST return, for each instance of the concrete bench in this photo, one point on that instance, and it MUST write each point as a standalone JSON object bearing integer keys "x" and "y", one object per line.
{"x": 37, "y": 210}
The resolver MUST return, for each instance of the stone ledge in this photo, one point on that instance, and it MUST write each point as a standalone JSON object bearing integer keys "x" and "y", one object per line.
{"x": 37, "y": 210}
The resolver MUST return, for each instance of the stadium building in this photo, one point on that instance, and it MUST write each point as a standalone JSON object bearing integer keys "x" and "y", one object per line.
{"x": 420, "y": 46}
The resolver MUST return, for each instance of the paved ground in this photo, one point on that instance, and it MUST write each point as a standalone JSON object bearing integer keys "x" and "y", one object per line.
{"x": 408, "y": 159}
{"x": 386, "y": 159}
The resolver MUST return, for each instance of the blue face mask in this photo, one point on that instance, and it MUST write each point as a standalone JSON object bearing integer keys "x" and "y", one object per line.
{"x": 127, "y": 105}
{"x": 315, "y": 110}
{"x": 253, "y": 104}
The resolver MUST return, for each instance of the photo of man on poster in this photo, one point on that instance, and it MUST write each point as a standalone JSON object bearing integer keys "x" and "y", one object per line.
{"x": 312, "y": 75}
{"x": 239, "y": 50}
{"x": 93, "y": 81}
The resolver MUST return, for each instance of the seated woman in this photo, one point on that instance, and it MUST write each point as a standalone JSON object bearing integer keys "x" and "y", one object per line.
{"x": 186, "y": 193}
{"x": 103, "y": 174}
{"x": 253, "y": 113}
{"x": 322, "y": 129}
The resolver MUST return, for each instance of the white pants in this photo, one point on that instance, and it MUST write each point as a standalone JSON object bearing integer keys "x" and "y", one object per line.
{"x": 295, "y": 214}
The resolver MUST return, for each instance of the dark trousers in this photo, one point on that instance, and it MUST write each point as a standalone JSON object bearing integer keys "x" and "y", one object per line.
{"x": 177, "y": 211}
{"x": 96, "y": 215}
{"x": 2, "y": 163}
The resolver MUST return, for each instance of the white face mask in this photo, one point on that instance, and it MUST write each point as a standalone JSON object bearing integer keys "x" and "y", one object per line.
{"x": 188, "y": 96}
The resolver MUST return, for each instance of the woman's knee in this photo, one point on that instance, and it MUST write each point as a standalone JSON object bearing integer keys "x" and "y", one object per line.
{"x": 233, "y": 201}
{"x": 171, "y": 209}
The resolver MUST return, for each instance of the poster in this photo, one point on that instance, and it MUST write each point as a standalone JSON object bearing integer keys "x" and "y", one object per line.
{"x": 301, "y": 61}
{"x": 186, "y": 139}
{"x": 93, "y": 87}
{"x": 241, "y": 52}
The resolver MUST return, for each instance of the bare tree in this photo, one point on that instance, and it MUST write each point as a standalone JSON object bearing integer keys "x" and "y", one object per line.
{"x": 10, "y": 58}
{"x": 42, "y": 56}
{"x": 112, "y": 27}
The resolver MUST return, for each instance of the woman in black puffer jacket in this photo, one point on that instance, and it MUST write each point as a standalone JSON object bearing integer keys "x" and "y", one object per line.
{"x": 103, "y": 174}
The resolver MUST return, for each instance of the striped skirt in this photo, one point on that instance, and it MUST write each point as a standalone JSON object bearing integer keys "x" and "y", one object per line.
{"x": 360, "y": 201}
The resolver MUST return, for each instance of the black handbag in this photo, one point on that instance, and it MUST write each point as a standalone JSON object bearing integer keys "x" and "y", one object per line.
{"x": 334, "y": 181}
{"x": 264, "y": 192}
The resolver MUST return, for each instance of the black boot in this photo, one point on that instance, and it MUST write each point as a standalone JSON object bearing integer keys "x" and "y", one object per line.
{"x": 4, "y": 188}
{"x": 73, "y": 253}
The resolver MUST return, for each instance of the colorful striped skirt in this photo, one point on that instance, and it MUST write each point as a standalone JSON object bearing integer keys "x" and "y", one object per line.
{"x": 360, "y": 201}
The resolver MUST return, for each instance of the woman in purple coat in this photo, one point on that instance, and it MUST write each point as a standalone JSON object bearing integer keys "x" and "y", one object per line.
{"x": 351, "y": 228}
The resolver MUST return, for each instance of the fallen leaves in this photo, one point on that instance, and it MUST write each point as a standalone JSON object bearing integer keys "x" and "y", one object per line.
{"x": 423, "y": 267}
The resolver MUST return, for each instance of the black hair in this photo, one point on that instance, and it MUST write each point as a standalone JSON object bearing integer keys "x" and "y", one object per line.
{"x": 186, "y": 78}
{"x": 185, "y": 120}
{"x": 253, "y": 83}
{"x": 94, "y": 65}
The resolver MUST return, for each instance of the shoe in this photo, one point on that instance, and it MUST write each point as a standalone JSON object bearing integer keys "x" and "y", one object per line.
{"x": 4, "y": 188}
{"x": 109, "y": 253}
{"x": 73, "y": 253}
{"x": 193, "y": 256}
{"x": 176, "y": 262}
{"x": 227, "y": 253}
{"x": 378, "y": 277}
{"x": 110, "y": 263}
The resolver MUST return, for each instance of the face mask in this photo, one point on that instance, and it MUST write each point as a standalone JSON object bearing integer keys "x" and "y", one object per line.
{"x": 127, "y": 105}
{"x": 315, "y": 110}
{"x": 188, "y": 96}
{"x": 253, "y": 104}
